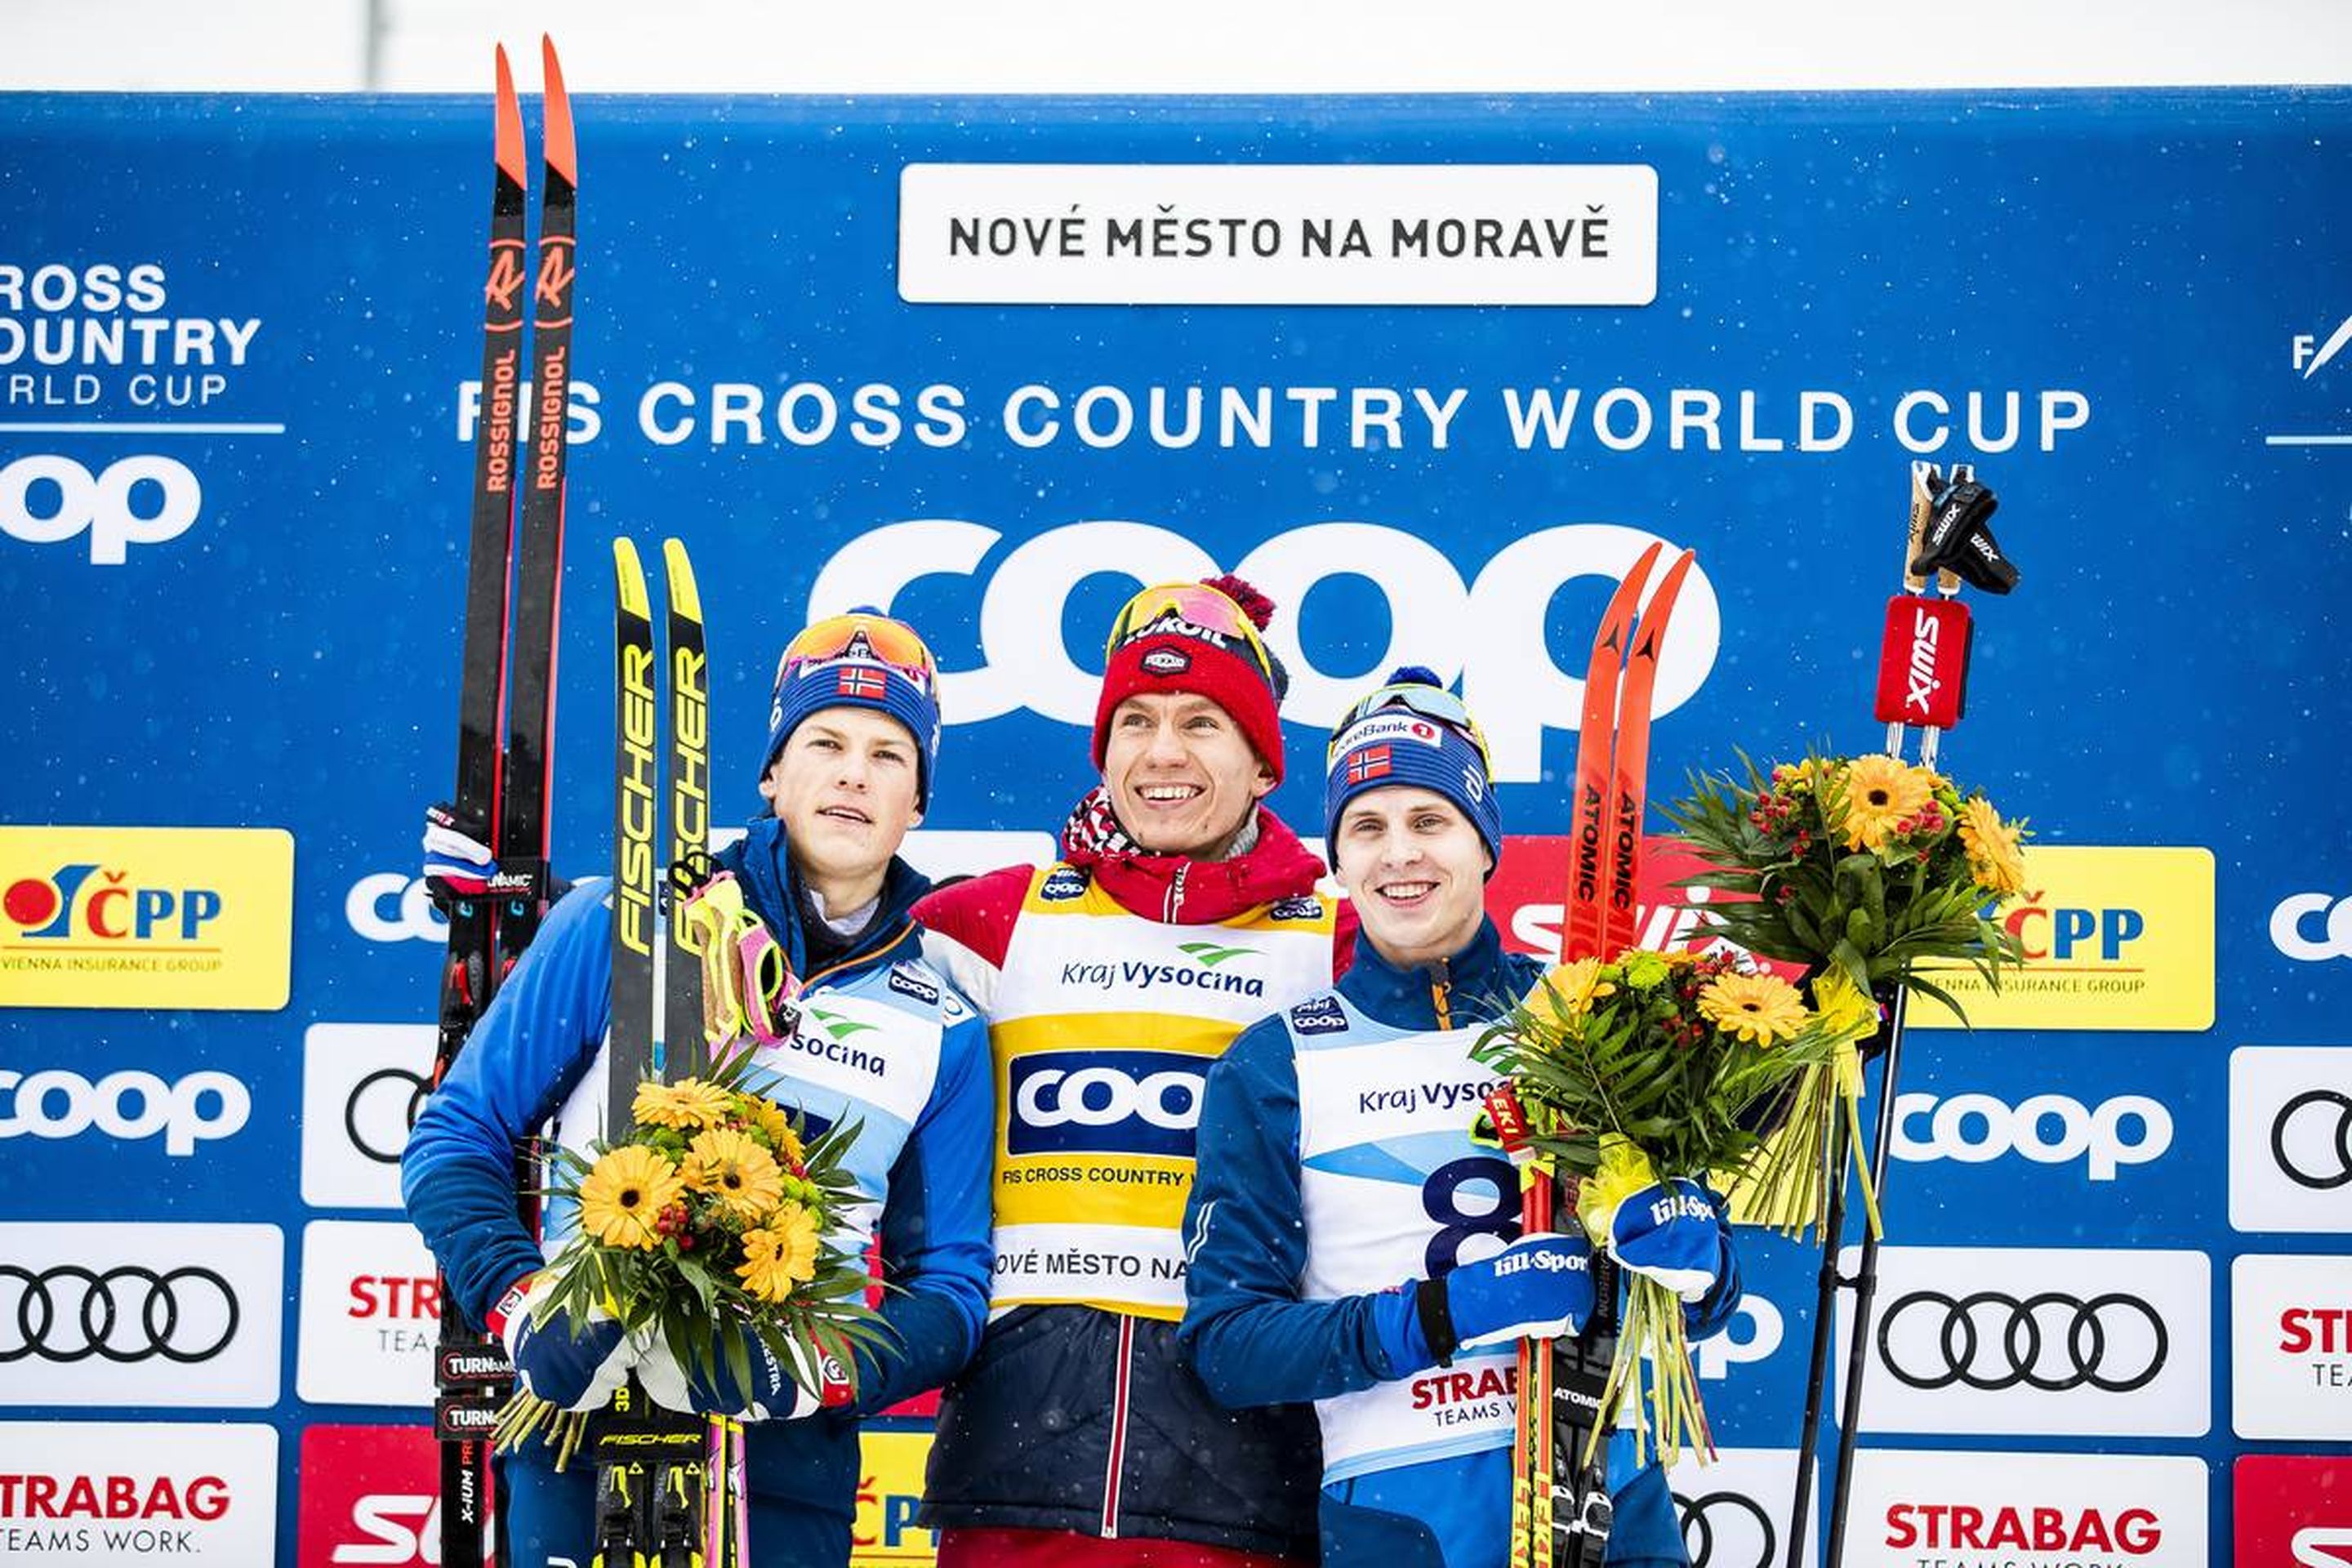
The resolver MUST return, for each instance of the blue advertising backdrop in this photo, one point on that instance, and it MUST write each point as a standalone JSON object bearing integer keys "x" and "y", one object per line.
{"x": 233, "y": 548}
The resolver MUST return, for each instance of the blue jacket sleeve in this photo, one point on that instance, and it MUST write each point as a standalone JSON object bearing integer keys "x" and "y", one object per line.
{"x": 527, "y": 1051}
{"x": 1249, "y": 1336}
{"x": 935, "y": 1241}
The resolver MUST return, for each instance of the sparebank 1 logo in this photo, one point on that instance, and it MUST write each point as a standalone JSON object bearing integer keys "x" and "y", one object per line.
{"x": 1491, "y": 631}
{"x": 77, "y": 904}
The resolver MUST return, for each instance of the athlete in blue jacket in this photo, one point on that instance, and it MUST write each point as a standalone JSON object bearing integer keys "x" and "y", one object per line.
{"x": 1347, "y": 1242}
{"x": 882, "y": 1041}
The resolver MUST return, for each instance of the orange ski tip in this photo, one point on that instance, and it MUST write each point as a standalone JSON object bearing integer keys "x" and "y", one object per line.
{"x": 510, "y": 122}
{"x": 561, "y": 158}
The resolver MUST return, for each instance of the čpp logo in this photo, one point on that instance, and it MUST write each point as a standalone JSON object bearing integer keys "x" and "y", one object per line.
{"x": 2311, "y": 927}
{"x": 2073, "y": 935}
{"x": 1104, "y": 1102}
{"x": 78, "y": 902}
{"x": 47, "y": 499}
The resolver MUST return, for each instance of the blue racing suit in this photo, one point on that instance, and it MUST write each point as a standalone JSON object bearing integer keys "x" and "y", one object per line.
{"x": 883, "y": 1041}
{"x": 1336, "y": 1166}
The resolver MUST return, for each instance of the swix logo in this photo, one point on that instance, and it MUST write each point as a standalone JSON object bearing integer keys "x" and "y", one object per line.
{"x": 395, "y": 1528}
{"x": 2312, "y": 928}
{"x": 555, "y": 273}
{"x": 2323, "y": 1546}
{"x": 1921, "y": 670}
{"x": 1932, "y": 1526}
{"x": 391, "y": 905}
{"x": 2064, "y": 934}
{"x": 47, "y": 499}
{"x": 1104, "y": 1103}
{"x": 2309, "y": 360}
{"x": 75, "y": 903}
{"x": 1523, "y": 897}
{"x": 1491, "y": 631}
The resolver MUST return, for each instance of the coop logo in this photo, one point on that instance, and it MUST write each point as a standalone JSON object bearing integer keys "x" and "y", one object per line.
{"x": 57, "y": 1103}
{"x": 2112, "y": 938}
{"x": 1104, "y": 1102}
{"x": 1734, "y": 1345}
{"x": 2041, "y": 1340}
{"x": 147, "y": 499}
{"x": 2311, "y": 356}
{"x": 146, "y": 917}
{"x": 2312, "y": 928}
{"x": 390, "y": 905}
{"x": 1974, "y": 1129}
{"x": 1491, "y": 631}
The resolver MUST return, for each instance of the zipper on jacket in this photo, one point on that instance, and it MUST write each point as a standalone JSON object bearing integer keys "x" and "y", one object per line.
{"x": 1176, "y": 893}
{"x": 1122, "y": 1378}
{"x": 1441, "y": 986}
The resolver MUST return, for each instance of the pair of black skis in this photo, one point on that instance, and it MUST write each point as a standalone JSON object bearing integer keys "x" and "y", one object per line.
{"x": 670, "y": 1486}
{"x": 506, "y": 703}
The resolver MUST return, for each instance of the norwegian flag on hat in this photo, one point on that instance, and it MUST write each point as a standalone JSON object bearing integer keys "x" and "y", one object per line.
{"x": 867, "y": 682}
{"x": 1368, "y": 764}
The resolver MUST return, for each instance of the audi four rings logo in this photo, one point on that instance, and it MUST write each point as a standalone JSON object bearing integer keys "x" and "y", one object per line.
{"x": 67, "y": 1313}
{"x": 385, "y": 1099}
{"x": 2310, "y": 1108}
{"x": 1703, "y": 1517}
{"x": 2050, "y": 1340}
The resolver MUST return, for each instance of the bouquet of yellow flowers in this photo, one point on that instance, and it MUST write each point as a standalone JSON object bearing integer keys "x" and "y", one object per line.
{"x": 711, "y": 1224}
{"x": 1653, "y": 1067}
{"x": 1871, "y": 872}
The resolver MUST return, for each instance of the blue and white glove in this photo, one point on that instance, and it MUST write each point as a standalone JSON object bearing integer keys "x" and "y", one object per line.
{"x": 456, "y": 865}
{"x": 1669, "y": 1233}
{"x": 1540, "y": 1286}
{"x": 775, "y": 1394}
{"x": 574, "y": 1371}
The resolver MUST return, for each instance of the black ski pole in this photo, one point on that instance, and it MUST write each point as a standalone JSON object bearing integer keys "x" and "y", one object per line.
{"x": 1864, "y": 1282}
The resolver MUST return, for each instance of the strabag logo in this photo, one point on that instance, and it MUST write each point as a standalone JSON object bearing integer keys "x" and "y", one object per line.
{"x": 1104, "y": 1103}
{"x": 2293, "y": 1509}
{"x": 2291, "y": 1338}
{"x": 2113, "y": 939}
{"x": 2038, "y": 1340}
{"x": 362, "y": 1085}
{"x": 2291, "y": 1138}
{"x": 146, "y": 917}
{"x": 140, "y": 1314}
{"x": 125, "y": 1494}
{"x": 370, "y": 1312}
{"x": 2027, "y": 1510}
